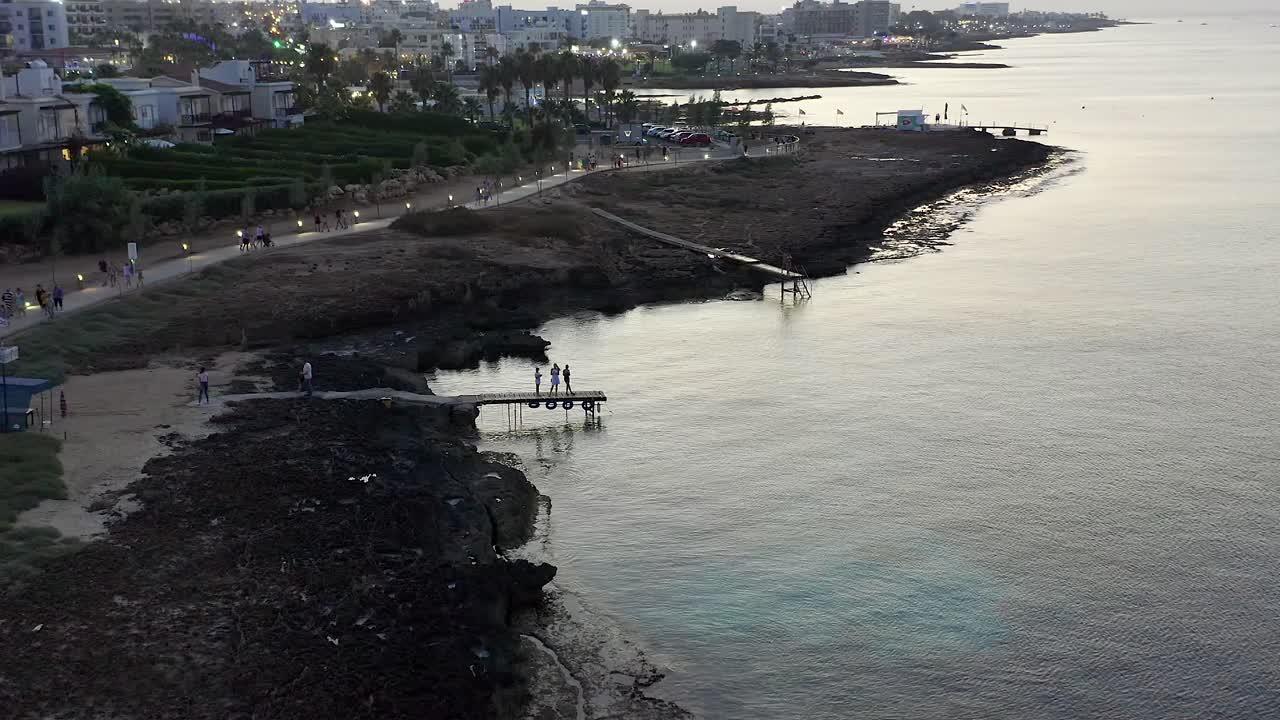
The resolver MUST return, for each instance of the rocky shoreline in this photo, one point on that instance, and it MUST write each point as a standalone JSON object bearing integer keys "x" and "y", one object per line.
{"x": 348, "y": 559}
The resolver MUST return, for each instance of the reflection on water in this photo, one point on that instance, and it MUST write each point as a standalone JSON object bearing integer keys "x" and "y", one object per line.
{"x": 1031, "y": 476}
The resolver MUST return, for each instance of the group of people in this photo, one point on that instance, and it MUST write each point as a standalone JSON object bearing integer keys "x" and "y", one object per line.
{"x": 340, "y": 221}
{"x": 255, "y": 238}
{"x": 127, "y": 274}
{"x": 13, "y": 303}
{"x": 486, "y": 190}
{"x": 556, "y": 375}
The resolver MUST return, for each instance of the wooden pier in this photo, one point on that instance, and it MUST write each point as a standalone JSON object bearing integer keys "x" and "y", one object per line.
{"x": 1008, "y": 130}
{"x": 798, "y": 282}
{"x": 583, "y": 398}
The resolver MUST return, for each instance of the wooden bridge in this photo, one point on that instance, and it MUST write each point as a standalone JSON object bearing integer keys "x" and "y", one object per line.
{"x": 798, "y": 282}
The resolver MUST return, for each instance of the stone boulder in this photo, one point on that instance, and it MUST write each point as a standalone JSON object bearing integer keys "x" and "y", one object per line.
{"x": 360, "y": 197}
{"x": 351, "y": 188}
{"x": 335, "y": 191}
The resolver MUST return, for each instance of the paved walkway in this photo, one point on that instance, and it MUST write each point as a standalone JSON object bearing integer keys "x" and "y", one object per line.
{"x": 170, "y": 270}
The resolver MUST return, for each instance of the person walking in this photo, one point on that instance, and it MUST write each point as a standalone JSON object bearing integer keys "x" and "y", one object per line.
{"x": 58, "y": 293}
{"x": 306, "y": 377}
{"x": 555, "y": 379}
{"x": 537, "y": 381}
{"x": 102, "y": 268}
{"x": 20, "y": 303}
{"x": 127, "y": 271}
{"x": 6, "y": 302}
{"x": 202, "y": 377}
{"x": 318, "y": 221}
{"x": 338, "y": 223}
{"x": 43, "y": 300}
{"x": 257, "y": 236}
{"x": 568, "y": 388}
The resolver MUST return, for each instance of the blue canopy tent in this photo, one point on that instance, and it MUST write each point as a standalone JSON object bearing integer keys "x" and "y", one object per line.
{"x": 16, "y": 412}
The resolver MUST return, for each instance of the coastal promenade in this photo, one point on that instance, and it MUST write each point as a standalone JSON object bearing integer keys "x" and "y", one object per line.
{"x": 175, "y": 269}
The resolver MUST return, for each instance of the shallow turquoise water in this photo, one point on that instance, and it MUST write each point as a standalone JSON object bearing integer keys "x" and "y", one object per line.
{"x": 1032, "y": 476}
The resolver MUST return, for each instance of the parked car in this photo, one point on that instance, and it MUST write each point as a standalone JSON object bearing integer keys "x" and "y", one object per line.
{"x": 653, "y": 131}
{"x": 666, "y": 134}
{"x": 700, "y": 139}
{"x": 677, "y": 137}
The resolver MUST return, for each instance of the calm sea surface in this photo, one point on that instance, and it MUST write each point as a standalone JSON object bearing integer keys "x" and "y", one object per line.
{"x": 1036, "y": 475}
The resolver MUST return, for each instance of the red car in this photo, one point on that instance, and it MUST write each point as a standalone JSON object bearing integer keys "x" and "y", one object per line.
{"x": 695, "y": 139}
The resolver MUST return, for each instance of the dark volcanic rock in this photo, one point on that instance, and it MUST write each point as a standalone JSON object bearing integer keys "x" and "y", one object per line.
{"x": 312, "y": 560}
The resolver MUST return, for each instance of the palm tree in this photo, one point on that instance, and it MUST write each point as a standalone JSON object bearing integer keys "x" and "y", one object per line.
{"x": 587, "y": 70}
{"x": 471, "y": 107}
{"x": 491, "y": 54}
{"x": 490, "y": 82}
{"x": 567, "y": 71}
{"x": 610, "y": 76}
{"x": 628, "y": 107}
{"x": 381, "y": 86}
{"x": 319, "y": 63}
{"x": 446, "y": 52}
{"x": 369, "y": 57}
{"x": 423, "y": 82}
{"x": 507, "y": 79}
{"x": 446, "y": 97}
{"x": 547, "y": 69}
{"x": 525, "y": 70}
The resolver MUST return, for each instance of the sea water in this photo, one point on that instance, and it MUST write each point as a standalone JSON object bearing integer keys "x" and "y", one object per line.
{"x": 1034, "y": 475}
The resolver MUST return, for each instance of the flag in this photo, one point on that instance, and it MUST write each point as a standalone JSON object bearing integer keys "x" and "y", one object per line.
{"x": 839, "y": 112}
{"x": 802, "y": 112}
{"x": 964, "y": 109}
{"x": 946, "y": 110}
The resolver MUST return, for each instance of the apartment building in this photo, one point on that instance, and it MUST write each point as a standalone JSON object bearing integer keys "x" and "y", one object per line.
{"x": 726, "y": 23}
{"x": 32, "y": 25}
{"x": 85, "y": 20}
{"x": 862, "y": 19}
{"x": 599, "y": 20}
{"x": 38, "y": 121}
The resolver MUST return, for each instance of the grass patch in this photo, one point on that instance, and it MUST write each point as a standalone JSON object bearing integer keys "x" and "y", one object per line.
{"x": 18, "y": 208}
{"x": 29, "y": 473}
{"x": 96, "y": 338}
{"x": 454, "y": 222}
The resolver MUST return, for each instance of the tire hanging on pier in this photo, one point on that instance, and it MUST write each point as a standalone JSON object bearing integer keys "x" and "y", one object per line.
{"x": 533, "y": 404}
{"x": 567, "y": 404}
{"x": 588, "y": 404}
{"x": 551, "y": 404}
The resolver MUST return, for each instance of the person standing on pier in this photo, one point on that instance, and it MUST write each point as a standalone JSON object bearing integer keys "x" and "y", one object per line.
{"x": 537, "y": 381}
{"x": 555, "y": 379}
{"x": 306, "y": 377}
{"x": 568, "y": 387}
{"x": 202, "y": 378}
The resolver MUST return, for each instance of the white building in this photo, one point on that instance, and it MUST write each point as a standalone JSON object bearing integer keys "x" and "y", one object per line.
{"x": 985, "y": 9}
{"x": 544, "y": 36}
{"x": 33, "y": 25}
{"x": 727, "y": 23}
{"x": 38, "y": 120}
{"x": 599, "y": 20}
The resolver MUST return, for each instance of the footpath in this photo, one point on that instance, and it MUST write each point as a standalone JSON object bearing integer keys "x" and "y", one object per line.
{"x": 94, "y": 293}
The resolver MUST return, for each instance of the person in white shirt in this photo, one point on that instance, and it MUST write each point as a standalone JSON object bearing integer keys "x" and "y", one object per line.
{"x": 203, "y": 378}
{"x": 306, "y": 377}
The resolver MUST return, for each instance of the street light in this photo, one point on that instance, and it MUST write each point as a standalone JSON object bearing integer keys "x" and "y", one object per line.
{"x": 408, "y": 206}
{"x": 356, "y": 215}
{"x": 299, "y": 223}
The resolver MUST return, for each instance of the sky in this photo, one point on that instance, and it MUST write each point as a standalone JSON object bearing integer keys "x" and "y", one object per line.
{"x": 1114, "y": 8}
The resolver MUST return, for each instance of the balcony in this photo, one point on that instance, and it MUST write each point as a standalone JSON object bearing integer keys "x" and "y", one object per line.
{"x": 282, "y": 112}
{"x": 195, "y": 118}
{"x": 237, "y": 113}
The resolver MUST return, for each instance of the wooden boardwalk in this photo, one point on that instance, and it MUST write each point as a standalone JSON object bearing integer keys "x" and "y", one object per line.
{"x": 528, "y": 398}
{"x": 714, "y": 252}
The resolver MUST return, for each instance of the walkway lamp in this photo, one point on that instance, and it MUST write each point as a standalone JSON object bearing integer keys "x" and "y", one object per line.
{"x": 356, "y": 214}
{"x": 80, "y": 281}
{"x": 299, "y": 223}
